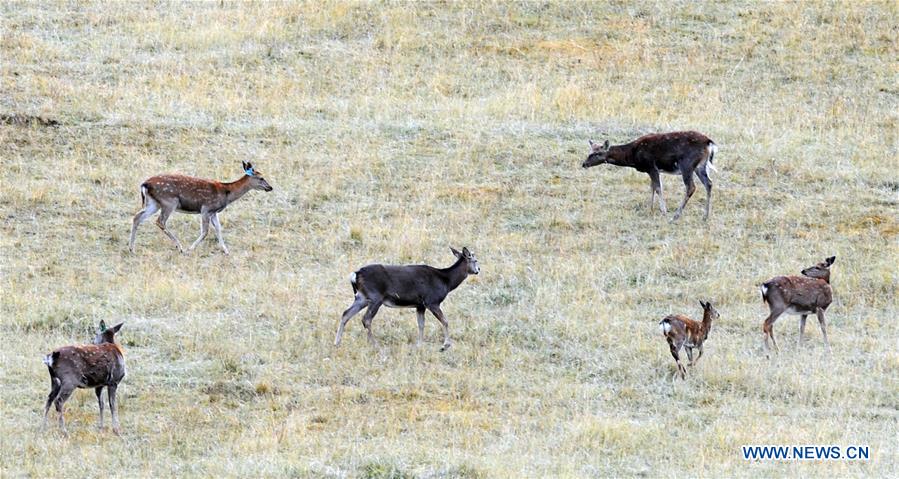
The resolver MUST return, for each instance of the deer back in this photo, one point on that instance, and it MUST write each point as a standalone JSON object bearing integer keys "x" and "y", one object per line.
{"x": 191, "y": 193}
{"x": 404, "y": 285}
{"x": 88, "y": 365}
{"x": 799, "y": 293}
{"x": 682, "y": 327}
{"x": 664, "y": 151}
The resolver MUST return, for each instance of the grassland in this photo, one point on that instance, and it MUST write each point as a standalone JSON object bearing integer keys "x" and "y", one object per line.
{"x": 392, "y": 131}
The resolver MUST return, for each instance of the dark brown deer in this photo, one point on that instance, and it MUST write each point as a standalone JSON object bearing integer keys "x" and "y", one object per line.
{"x": 682, "y": 332}
{"x": 169, "y": 193}
{"x": 413, "y": 286}
{"x": 801, "y": 295}
{"x": 680, "y": 153}
{"x": 97, "y": 365}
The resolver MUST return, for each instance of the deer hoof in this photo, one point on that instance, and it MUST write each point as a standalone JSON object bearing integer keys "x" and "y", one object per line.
{"x": 445, "y": 347}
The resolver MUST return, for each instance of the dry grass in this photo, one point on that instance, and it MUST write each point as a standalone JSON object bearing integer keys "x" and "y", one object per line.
{"x": 391, "y": 131}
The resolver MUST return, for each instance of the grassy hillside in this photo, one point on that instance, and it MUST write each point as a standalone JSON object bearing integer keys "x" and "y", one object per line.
{"x": 393, "y": 131}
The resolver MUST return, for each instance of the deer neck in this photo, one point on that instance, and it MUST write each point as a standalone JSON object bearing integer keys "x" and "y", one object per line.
{"x": 620, "y": 155}
{"x": 236, "y": 189}
{"x": 706, "y": 323}
{"x": 456, "y": 274}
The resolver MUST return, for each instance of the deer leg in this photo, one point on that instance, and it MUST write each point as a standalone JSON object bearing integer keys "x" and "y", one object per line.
{"x": 161, "y": 221}
{"x": 801, "y": 328}
{"x": 366, "y": 320}
{"x": 421, "y": 325}
{"x": 218, "y": 232}
{"x": 680, "y": 367}
{"x": 699, "y": 355}
{"x": 689, "y": 356}
{"x": 691, "y": 188}
{"x": 703, "y": 175}
{"x": 113, "y": 408}
{"x": 151, "y": 208}
{"x": 768, "y": 329}
{"x": 823, "y": 325}
{"x": 54, "y": 391}
{"x": 435, "y": 310}
{"x": 204, "y": 230}
{"x": 656, "y": 185}
{"x": 64, "y": 392}
{"x": 99, "y": 392}
{"x": 354, "y": 308}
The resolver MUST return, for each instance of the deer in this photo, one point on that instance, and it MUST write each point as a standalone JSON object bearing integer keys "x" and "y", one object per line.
{"x": 679, "y": 153}
{"x": 683, "y": 332}
{"x": 97, "y": 365}
{"x": 420, "y": 286}
{"x": 169, "y": 193}
{"x": 798, "y": 295}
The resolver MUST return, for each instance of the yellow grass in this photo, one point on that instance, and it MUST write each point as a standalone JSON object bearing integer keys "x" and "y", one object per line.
{"x": 392, "y": 131}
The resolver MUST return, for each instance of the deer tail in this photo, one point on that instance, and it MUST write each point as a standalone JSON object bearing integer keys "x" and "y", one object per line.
{"x": 713, "y": 148}
{"x": 143, "y": 195}
{"x": 664, "y": 326}
{"x": 50, "y": 359}
{"x": 764, "y": 290}
{"x": 353, "y": 282}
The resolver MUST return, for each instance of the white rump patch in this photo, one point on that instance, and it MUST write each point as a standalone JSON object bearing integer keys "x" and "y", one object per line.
{"x": 764, "y": 290}
{"x": 48, "y": 360}
{"x": 353, "y": 278}
{"x": 664, "y": 327}
{"x": 713, "y": 149}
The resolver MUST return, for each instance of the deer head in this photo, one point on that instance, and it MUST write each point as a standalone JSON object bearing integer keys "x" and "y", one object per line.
{"x": 468, "y": 258}
{"x": 820, "y": 270}
{"x": 106, "y": 335}
{"x": 708, "y": 308}
{"x": 257, "y": 182}
{"x": 598, "y": 154}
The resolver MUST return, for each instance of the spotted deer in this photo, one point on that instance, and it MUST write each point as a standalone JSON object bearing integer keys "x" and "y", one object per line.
{"x": 680, "y": 153}
{"x": 799, "y": 295}
{"x": 169, "y": 193}
{"x": 683, "y": 332}
{"x": 412, "y": 286}
{"x": 97, "y": 365}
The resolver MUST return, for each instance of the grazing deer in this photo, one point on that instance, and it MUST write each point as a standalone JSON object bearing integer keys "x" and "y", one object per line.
{"x": 413, "y": 286}
{"x": 167, "y": 193}
{"x": 97, "y": 365}
{"x": 681, "y": 153}
{"x": 803, "y": 295}
{"x": 682, "y": 332}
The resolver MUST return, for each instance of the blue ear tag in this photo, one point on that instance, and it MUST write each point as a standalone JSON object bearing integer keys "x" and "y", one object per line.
{"x": 249, "y": 172}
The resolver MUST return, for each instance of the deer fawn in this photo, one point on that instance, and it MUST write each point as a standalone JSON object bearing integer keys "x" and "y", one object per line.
{"x": 681, "y": 153}
{"x": 682, "y": 332}
{"x": 413, "y": 286}
{"x": 97, "y": 365}
{"x": 803, "y": 295}
{"x": 167, "y": 193}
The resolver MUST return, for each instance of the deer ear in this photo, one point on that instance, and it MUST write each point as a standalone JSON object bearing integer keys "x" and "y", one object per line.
{"x": 703, "y": 304}
{"x": 466, "y": 253}
{"x": 102, "y": 326}
{"x": 456, "y": 252}
{"x": 116, "y": 328}
{"x": 605, "y": 146}
{"x": 592, "y": 145}
{"x": 831, "y": 260}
